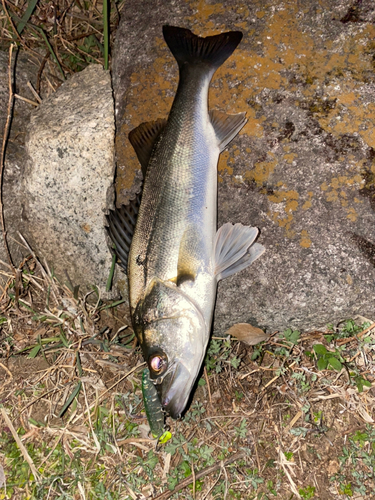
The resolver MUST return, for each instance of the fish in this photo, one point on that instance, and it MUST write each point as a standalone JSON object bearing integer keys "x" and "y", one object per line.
{"x": 173, "y": 253}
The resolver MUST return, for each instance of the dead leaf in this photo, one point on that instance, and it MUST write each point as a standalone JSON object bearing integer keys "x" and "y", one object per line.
{"x": 248, "y": 334}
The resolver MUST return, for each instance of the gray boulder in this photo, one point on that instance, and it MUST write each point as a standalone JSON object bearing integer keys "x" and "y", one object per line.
{"x": 68, "y": 179}
{"x": 302, "y": 169}
{"x": 58, "y": 178}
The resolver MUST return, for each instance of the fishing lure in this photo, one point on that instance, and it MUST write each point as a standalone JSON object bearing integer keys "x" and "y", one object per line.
{"x": 154, "y": 412}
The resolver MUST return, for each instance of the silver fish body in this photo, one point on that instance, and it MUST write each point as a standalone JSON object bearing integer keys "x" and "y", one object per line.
{"x": 177, "y": 256}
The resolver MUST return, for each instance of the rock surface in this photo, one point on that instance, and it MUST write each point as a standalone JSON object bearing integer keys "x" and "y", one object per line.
{"x": 15, "y": 153}
{"x": 302, "y": 169}
{"x": 68, "y": 181}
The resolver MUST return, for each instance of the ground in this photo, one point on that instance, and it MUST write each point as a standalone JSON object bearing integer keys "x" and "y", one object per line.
{"x": 264, "y": 421}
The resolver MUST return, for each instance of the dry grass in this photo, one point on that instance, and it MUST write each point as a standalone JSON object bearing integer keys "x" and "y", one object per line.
{"x": 60, "y": 37}
{"x": 270, "y": 427}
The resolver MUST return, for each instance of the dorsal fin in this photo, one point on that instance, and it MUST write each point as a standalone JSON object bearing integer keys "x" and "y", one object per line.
{"x": 235, "y": 249}
{"x": 143, "y": 139}
{"x": 121, "y": 224}
{"x": 226, "y": 126}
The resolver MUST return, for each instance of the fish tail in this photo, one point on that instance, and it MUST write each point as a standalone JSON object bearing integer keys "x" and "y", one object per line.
{"x": 189, "y": 49}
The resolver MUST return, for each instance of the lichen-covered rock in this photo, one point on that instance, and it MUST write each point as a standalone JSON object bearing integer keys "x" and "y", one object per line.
{"x": 68, "y": 181}
{"x": 302, "y": 169}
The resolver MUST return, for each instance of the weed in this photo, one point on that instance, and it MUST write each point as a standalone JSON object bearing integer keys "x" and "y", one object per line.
{"x": 307, "y": 493}
{"x": 252, "y": 478}
{"x": 303, "y": 382}
{"x": 317, "y": 416}
{"x": 271, "y": 488}
{"x": 241, "y": 430}
{"x": 196, "y": 411}
{"x": 327, "y": 358}
{"x": 291, "y": 336}
{"x": 220, "y": 353}
{"x": 357, "y": 463}
{"x": 360, "y": 382}
{"x": 345, "y": 329}
{"x": 257, "y": 352}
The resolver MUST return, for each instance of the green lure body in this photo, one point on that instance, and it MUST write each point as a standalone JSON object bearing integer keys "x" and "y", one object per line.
{"x": 154, "y": 412}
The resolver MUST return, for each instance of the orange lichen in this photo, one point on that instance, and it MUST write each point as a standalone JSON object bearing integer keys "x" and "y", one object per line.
{"x": 337, "y": 191}
{"x": 290, "y": 157}
{"x": 288, "y": 200}
{"x": 261, "y": 172}
{"x": 308, "y": 202}
{"x": 305, "y": 240}
{"x": 352, "y": 214}
{"x": 223, "y": 163}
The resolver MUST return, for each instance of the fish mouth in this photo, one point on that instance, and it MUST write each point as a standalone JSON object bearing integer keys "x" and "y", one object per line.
{"x": 174, "y": 391}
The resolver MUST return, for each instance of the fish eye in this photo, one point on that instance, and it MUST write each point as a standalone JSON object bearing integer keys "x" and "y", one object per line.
{"x": 157, "y": 363}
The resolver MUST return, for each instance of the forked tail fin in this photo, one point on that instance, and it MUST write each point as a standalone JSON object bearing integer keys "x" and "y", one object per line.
{"x": 188, "y": 48}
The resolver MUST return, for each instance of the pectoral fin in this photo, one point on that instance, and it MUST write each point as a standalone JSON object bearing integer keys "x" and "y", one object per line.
{"x": 143, "y": 139}
{"x": 121, "y": 224}
{"x": 235, "y": 249}
{"x": 226, "y": 126}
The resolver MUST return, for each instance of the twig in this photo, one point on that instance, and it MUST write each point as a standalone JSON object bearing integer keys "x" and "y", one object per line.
{"x": 34, "y": 92}
{"x": 286, "y": 465}
{"x": 25, "y": 99}
{"x": 193, "y": 476}
{"x": 23, "y": 450}
{"x": 213, "y": 486}
{"x": 208, "y": 386}
{"x": 275, "y": 378}
{"x": 226, "y": 480}
{"x": 3, "y": 149}
{"x": 205, "y": 472}
{"x": 136, "y": 440}
{"x": 8, "y": 371}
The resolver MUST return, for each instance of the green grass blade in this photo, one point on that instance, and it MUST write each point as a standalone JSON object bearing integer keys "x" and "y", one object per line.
{"x": 63, "y": 338}
{"x": 52, "y": 54}
{"x": 30, "y": 8}
{"x": 111, "y": 273}
{"x": 34, "y": 351}
{"x": 114, "y": 304}
{"x": 106, "y": 11}
{"x": 79, "y": 366}
{"x": 71, "y": 398}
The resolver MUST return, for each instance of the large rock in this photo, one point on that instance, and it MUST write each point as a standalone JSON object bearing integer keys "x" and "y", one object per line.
{"x": 68, "y": 181}
{"x": 302, "y": 169}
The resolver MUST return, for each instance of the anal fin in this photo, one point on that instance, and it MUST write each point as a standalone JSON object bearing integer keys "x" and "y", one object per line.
{"x": 235, "y": 249}
{"x": 226, "y": 126}
{"x": 121, "y": 225}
